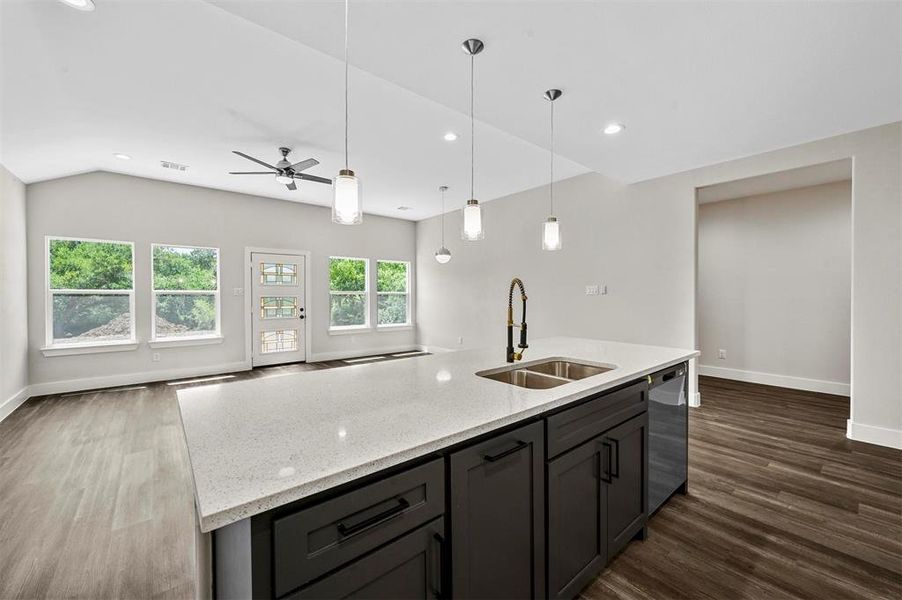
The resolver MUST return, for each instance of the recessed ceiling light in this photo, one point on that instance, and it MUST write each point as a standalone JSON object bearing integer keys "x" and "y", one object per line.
{"x": 85, "y": 5}
{"x": 612, "y": 128}
{"x": 121, "y": 156}
{"x": 450, "y": 136}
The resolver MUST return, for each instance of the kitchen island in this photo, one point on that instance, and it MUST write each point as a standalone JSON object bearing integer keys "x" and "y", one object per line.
{"x": 325, "y": 483}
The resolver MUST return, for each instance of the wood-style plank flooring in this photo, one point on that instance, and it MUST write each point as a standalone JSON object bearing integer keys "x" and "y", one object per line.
{"x": 96, "y": 502}
{"x": 780, "y": 505}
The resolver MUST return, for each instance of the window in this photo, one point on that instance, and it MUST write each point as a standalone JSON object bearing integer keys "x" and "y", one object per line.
{"x": 392, "y": 299}
{"x": 278, "y": 307}
{"x": 90, "y": 292}
{"x": 348, "y": 293}
{"x": 185, "y": 292}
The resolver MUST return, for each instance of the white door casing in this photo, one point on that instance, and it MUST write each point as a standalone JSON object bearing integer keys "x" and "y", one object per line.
{"x": 277, "y": 308}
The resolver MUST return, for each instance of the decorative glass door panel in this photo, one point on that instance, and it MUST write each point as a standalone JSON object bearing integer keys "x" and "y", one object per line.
{"x": 277, "y": 309}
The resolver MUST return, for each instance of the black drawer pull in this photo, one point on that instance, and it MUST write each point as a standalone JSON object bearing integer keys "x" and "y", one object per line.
{"x": 496, "y": 457}
{"x": 348, "y": 530}
{"x": 606, "y": 461}
{"x": 437, "y": 589}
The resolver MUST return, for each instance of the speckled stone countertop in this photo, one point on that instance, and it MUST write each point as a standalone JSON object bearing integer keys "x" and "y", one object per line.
{"x": 261, "y": 443}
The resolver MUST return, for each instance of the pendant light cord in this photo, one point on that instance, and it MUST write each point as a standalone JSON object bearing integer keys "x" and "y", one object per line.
{"x": 443, "y": 218}
{"x": 346, "y": 84}
{"x": 472, "y": 129}
{"x": 552, "y": 157}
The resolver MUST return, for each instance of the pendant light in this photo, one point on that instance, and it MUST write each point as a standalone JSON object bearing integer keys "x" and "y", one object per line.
{"x": 347, "y": 200}
{"x": 443, "y": 255}
{"x": 551, "y": 228}
{"x": 472, "y": 213}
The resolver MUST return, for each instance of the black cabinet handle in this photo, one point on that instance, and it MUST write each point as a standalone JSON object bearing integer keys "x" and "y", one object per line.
{"x": 606, "y": 460}
{"x": 349, "y": 530}
{"x": 615, "y": 462}
{"x": 496, "y": 457}
{"x": 437, "y": 588}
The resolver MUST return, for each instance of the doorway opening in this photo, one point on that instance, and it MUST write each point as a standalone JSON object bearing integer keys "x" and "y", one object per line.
{"x": 774, "y": 278}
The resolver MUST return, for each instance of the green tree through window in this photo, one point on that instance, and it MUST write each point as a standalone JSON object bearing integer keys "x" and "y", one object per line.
{"x": 347, "y": 292}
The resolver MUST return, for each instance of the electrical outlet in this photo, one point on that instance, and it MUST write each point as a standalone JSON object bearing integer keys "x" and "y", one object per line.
{"x": 591, "y": 290}
{"x": 722, "y": 354}
{"x": 237, "y": 291}
{"x": 156, "y": 357}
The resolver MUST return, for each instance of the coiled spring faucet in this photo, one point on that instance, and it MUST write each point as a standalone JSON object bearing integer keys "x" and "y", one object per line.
{"x": 511, "y": 354}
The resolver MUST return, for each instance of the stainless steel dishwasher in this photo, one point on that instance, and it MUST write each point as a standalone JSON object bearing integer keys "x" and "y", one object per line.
{"x": 668, "y": 433}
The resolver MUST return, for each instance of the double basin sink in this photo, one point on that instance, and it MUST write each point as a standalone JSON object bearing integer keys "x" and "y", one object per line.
{"x": 546, "y": 374}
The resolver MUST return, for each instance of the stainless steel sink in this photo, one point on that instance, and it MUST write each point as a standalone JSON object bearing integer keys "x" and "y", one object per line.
{"x": 545, "y": 374}
{"x": 567, "y": 369}
{"x": 525, "y": 379}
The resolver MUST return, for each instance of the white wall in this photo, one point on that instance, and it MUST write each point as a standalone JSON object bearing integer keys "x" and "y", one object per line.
{"x": 639, "y": 239}
{"x": 775, "y": 287}
{"x": 13, "y": 299}
{"x": 110, "y": 206}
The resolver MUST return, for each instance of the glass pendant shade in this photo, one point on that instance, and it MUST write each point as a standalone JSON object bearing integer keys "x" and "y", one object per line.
{"x": 443, "y": 255}
{"x": 551, "y": 234}
{"x": 472, "y": 222}
{"x": 347, "y": 205}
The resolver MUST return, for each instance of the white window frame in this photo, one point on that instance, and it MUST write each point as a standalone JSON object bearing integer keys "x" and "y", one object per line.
{"x": 188, "y": 340}
{"x": 367, "y": 325}
{"x": 408, "y": 323}
{"x": 52, "y": 349}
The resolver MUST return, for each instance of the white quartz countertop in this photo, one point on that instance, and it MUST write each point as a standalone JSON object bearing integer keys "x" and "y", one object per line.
{"x": 261, "y": 443}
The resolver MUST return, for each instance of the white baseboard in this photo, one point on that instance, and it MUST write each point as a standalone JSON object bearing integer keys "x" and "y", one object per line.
{"x": 14, "y": 402}
{"x": 342, "y": 354}
{"x": 873, "y": 434}
{"x": 106, "y": 381}
{"x": 787, "y": 381}
{"x": 695, "y": 400}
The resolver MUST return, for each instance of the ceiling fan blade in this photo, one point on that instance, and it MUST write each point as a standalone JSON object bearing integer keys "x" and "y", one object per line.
{"x": 306, "y": 177}
{"x": 251, "y": 173}
{"x": 304, "y": 164}
{"x": 259, "y": 162}
{"x": 291, "y": 186}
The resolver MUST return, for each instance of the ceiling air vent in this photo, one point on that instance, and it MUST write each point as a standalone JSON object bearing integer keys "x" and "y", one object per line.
{"x": 166, "y": 164}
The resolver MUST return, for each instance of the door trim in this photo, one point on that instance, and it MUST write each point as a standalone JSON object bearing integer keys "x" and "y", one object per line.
{"x": 248, "y": 308}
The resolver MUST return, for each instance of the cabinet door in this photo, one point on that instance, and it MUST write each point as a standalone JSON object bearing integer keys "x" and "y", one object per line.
{"x": 626, "y": 461}
{"x": 410, "y": 568}
{"x": 577, "y": 536}
{"x": 498, "y": 517}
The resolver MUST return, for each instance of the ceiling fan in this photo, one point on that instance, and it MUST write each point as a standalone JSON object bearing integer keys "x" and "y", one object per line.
{"x": 284, "y": 171}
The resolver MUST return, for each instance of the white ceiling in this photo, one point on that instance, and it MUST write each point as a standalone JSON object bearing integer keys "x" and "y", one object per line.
{"x": 819, "y": 174}
{"x": 188, "y": 81}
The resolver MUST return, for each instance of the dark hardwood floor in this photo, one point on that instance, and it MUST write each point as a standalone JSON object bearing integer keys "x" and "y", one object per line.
{"x": 96, "y": 501}
{"x": 780, "y": 505}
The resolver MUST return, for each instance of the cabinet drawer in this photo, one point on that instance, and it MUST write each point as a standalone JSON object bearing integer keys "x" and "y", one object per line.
{"x": 408, "y": 568}
{"x": 573, "y": 426}
{"x": 318, "y": 539}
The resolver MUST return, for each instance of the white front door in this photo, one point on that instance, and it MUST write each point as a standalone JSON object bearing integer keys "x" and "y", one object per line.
{"x": 278, "y": 334}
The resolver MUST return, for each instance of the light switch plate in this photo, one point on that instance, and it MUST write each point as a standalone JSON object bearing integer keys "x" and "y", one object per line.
{"x": 591, "y": 290}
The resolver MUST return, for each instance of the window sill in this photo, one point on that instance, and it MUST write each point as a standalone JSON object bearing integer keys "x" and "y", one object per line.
{"x": 349, "y": 330}
{"x": 68, "y": 350}
{"x": 207, "y": 340}
{"x": 399, "y": 327}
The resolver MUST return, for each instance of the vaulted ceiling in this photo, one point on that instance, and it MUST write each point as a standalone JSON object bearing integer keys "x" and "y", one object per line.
{"x": 695, "y": 83}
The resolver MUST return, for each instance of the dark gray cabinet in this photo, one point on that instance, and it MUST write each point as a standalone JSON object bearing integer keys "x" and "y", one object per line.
{"x": 596, "y": 504}
{"x": 577, "y": 508}
{"x": 626, "y": 458}
{"x": 409, "y": 568}
{"x": 497, "y": 516}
